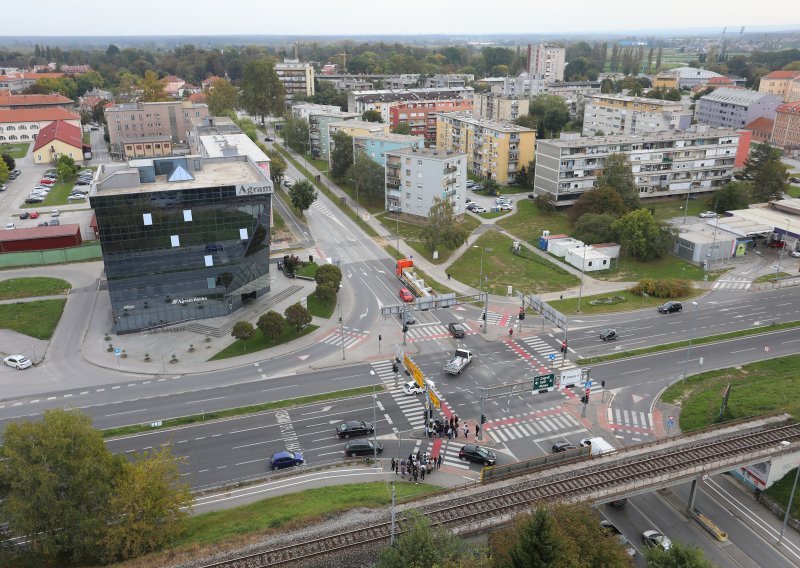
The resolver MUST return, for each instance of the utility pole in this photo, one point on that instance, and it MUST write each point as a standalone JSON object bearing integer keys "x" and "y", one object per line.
{"x": 341, "y": 326}
{"x": 394, "y": 514}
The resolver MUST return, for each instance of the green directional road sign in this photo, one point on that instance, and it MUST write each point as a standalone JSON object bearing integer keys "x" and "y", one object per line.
{"x": 544, "y": 382}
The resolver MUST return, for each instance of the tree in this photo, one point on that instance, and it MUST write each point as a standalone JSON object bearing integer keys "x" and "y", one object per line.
{"x": 57, "y": 474}
{"x": 732, "y": 195}
{"x": 329, "y": 273}
{"x": 326, "y": 292}
{"x": 536, "y": 543}
{"x": 271, "y": 324}
{"x": 4, "y": 172}
{"x": 66, "y": 168}
{"x": 153, "y": 89}
{"x": 552, "y": 114}
{"x": 402, "y": 128}
{"x": 641, "y": 236}
{"x": 490, "y": 186}
{"x": 297, "y": 316}
{"x": 372, "y": 116}
{"x": 277, "y": 165}
{"x": 601, "y": 200}
{"x": 767, "y": 172}
{"x": 442, "y": 230}
{"x": 147, "y": 508}
{"x": 545, "y": 203}
{"x": 295, "y": 134}
{"x": 578, "y": 525}
{"x": 618, "y": 175}
{"x": 341, "y": 155}
{"x": 302, "y": 195}
{"x": 243, "y": 330}
{"x": 221, "y": 97}
{"x": 10, "y": 162}
{"x": 262, "y": 91}
{"x": 593, "y": 228}
{"x": 368, "y": 175}
{"x": 678, "y": 556}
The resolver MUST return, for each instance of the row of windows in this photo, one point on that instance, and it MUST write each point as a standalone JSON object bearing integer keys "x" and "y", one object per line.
{"x": 20, "y": 137}
{"x": 21, "y": 127}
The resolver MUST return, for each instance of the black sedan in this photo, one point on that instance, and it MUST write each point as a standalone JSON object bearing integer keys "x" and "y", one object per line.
{"x": 609, "y": 334}
{"x": 354, "y": 428}
{"x": 562, "y": 446}
{"x": 355, "y": 448}
{"x": 477, "y": 454}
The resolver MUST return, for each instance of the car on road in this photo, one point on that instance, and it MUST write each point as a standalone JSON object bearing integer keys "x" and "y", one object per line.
{"x": 795, "y": 253}
{"x": 406, "y": 295}
{"x": 794, "y": 180}
{"x": 3, "y": 187}
{"x": 410, "y": 319}
{"x": 670, "y": 307}
{"x": 457, "y": 330}
{"x": 354, "y": 428}
{"x": 280, "y": 460}
{"x": 619, "y": 503}
{"x": 34, "y": 215}
{"x": 269, "y": 139}
{"x": 24, "y": 215}
{"x": 708, "y": 215}
{"x": 655, "y": 538}
{"x": 477, "y": 454}
{"x": 411, "y": 387}
{"x": 562, "y": 446}
{"x": 364, "y": 447}
{"x": 478, "y": 209}
{"x": 54, "y": 222}
{"x": 10, "y": 226}
{"x": 609, "y": 335}
{"x": 55, "y": 213}
{"x": 17, "y": 361}
{"x": 288, "y": 182}
{"x": 623, "y": 540}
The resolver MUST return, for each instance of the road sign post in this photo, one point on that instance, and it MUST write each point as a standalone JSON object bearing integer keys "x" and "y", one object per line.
{"x": 543, "y": 382}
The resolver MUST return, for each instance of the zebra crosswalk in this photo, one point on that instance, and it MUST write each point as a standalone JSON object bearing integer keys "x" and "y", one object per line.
{"x": 636, "y": 424}
{"x": 499, "y": 319}
{"x": 542, "y": 425}
{"x": 410, "y": 406}
{"x": 426, "y": 332}
{"x": 547, "y": 354}
{"x": 731, "y": 284}
{"x": 319, "y": 206}
{"x": 349, "y": 336}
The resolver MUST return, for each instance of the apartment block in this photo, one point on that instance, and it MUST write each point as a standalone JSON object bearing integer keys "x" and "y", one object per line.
{"x": 449, "y": 81}
{"x": 146, "y": 130}
{"x": 297, "y": 78}
{"x": 421, "y": 115}
{"x": 786, "y": 131}
{"x": 495, "y": 150}
{"x": 782, "y": 84}
{"x": 735, "y": 108}
{"x": 699, "y": 160}
{"x": 618, "y": 114}
{"x": 416, "y": 176}
{"x": 354, "y": 128}
{"x": 494, "y": 106}
{"x": 319, "y": 137}
{"x": 547, "y": 61}
{"x": 377, "y": 145}
{"x": 305, "y": 110}
{"x": 683, "y": 78}
{"x": 383, "y": 100}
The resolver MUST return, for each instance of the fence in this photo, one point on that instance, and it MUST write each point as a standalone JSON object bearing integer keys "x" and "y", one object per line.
{"x": 52, "y": 256}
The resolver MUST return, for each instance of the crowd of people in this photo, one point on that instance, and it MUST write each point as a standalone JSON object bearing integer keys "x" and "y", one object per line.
{"x": 416, "y": 466}
{"x": 447, "y": 428}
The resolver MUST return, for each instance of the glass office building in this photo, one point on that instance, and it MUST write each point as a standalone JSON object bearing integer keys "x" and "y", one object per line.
{"x": 183, "y": 238}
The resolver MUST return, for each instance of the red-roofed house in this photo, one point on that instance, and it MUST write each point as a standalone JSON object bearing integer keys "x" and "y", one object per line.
{"x": 12, "y": 102}
{"x": 58, "y": 138}
{"x": 17, "y": 82}
{"x": 786, "y": 132}
{"x": 715, "y": 83}
{"x": 197, "y": 98}
{"x": 778, "y": 83}
{"x": 173, "y": 85}
{"x": 23, "y": 125}
{"x": 761, "y": 129}
{"x": 208, "y": 83}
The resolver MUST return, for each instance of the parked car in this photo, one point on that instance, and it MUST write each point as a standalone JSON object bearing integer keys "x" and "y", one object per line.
{"x": 76, "y": 197}
{"x": 55, "y": 213}
{"x": 669, "y": 307}
{"x": 354, "y": 428}
{"x": 472, "y": 206}
{"x": 609, "y": 334}
{"x": 406, "y": 295}
{"x": 24, "y": 215}
{"x": 47, "y": 181}
{"x": 562, "y": 446}
{"x": 17, "y": 361}
{"x": 363, "y": 447}
{"x": 280, "y": 460}
{"x": 655, "y": 538}
{"x": 410, "y": 319}
{"x": 623, "y": 540}
{"x": 708, "y": 215}
{"x": 3, "y": 187}
{"x": 456, "y": 330}
{"x": 477, "y": 187}
{"x": 34, "y": 215}
{"x": 34, "y": 199}
{"x": 43, "y": 224}
{"x": 478, "y": 209}
{"x": 411, "y": 387}
{"x": 54, "y": 222}
{"x": 795, "y": 253}
{"x": 477, "y": 454}
{"x": 505, "y": 207}
{"x": 10, "y": 226}
{"x": 794, "y": 180}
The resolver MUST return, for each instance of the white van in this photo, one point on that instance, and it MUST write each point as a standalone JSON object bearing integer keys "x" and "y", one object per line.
{"x": 598, "y": 446}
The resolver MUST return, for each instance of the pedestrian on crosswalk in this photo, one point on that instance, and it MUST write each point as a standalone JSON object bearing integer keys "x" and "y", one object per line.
{"x": 439, "y": 462}
{"x": 403, "y": 469}
{"x": 393, "y": 465}
{"x": 466, "y": 430}
{"x": 422, "y": 473}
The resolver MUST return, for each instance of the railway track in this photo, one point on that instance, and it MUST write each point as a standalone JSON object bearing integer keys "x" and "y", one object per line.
{"x": 499, "y": 502}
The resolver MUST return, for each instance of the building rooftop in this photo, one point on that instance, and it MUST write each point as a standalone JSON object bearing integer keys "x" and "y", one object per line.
{"x": 793, "y": 108}
{"x": 735, "y": 96}
{"x": 430, "y": 153}
{"x": 36, "y": 115}
{"x": 691, "y": 73}
{"x": 761, "y": 123}
{"x": 490, "y": 124}
{"x": 638, "y": 100}
{"x": 391, "y": 137}
{"x": 59, "y": 130}
{"x": 428, "y": 94}
{"x": 782, "y": 75}
{"x": 26, "y": 233}
{"x": 697, "y": 132}
{"x": 34, "y": 100}
{"x": 366, "y": 125}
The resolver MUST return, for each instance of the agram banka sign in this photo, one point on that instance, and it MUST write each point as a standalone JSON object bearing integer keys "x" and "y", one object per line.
{"x": 245, "y": 189}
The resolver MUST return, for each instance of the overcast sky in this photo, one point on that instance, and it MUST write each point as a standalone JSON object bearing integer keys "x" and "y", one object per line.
{"x": 342, "y": 17}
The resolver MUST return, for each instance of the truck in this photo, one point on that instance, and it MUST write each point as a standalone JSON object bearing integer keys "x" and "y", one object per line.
{"x": 598, "y": 446}
{"x": 461, "y": 359}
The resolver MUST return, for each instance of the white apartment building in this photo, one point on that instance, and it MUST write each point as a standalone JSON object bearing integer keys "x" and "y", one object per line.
{"x": 304, "y": 110}
{"x": 547, "y": 61}
{"x": 618, "y": 114}
{"x": 297, "y": 78}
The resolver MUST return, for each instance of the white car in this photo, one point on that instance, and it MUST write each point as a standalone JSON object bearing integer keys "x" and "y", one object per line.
{"x": 288, "y": 182}
{"x": 55, "y": 213}
{"x": 505, "y": 207}
{"x": 411, "y": 387}
{"x": 478, "y": 209}
{"x": 708, "y": 215}
{"x": 795, "y": 253}
{"x": 18, "y": 361}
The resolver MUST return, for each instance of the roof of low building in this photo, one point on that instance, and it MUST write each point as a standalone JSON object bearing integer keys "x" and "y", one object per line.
{"x": 59, "y": 130}
{"x": 793, "y": 107}
{"x": 735, "y": 96}
{"x": 34, "y": 100}
{"x": 782, "y": 75}
{"x": 761, "y": 123}
{"x": 28, "y": 233}
{"x": 36, "y": 115}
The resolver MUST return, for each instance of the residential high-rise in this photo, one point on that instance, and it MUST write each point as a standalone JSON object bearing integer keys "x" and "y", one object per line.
{"x": 297, "y": 78}
{"x": 318, "y": 133}
{"x": 782, "y": 84}
{"x": 494, "y": 106}
{"x": 377, "y": 145}
{"x": 420, "y": 115}
{"x": 547, "y": 61}
{"x": 618, "y": 114}
{"x": 495, "y": 150}
{"x": 699, "y": 160}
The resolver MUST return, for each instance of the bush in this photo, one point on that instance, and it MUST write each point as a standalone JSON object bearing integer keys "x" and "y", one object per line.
{"x": 668, "y": 288}
{"x": 329, "y": 273}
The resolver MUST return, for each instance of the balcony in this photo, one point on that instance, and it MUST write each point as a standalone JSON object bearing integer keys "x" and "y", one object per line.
{"x": 449, "y": 180}
{"x": 393, "y": 183}
{"x": 450, "y": 169}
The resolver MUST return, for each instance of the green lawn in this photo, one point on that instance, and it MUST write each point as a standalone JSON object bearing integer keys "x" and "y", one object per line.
{"x": 15, "y": 288}
{"x": 671, "y": 208}
{"x": 293, "y": 510}
{"x": 527, "y": 223}
{"x": 372, "y": 205}
{"x": 493, "y": 214}
{"x": 321, "y": 165}
{"x": 409, "y": 232}
{"x": 57, "y": 196}
{"x": 622, "y": 301}
{"x": 16, "y": 150}
{"x": 37, "y": 319}
{"x": 527, "y": 272}
{"x": 668, "y": 266}
{"x": 308, "y": 269}
{"x": 514, "y": 190}
{"x": 259, "y": 342}
{"x": 794, "y": 191}
{"x": 319, "y": 308}
{"x": 770, "y": 277}
{"x": 277, "y": 222}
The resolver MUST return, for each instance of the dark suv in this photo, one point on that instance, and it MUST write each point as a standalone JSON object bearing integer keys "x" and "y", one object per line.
{"x": 354, "y": 428}
{"x": 456, "y": 330}
{"x": 355, "y": 448}
{"x": 670, "y": 307}
{"x": 477, "y": 454}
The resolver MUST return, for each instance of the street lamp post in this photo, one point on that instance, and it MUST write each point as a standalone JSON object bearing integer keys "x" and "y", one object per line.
{"x": 689, "y": 348}
{"x": 686, "y": 207}
{"x": 356, "y": 184}
{"x": 783, "y": 248}
{"x": 480, "y": 289}
{"x": 583, "y": 271}
{"x": 374, "y": 416}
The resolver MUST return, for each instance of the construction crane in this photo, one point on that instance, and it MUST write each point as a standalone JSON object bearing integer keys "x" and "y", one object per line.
{"x": 723, "y": 44}
{"x": 344, "y": 60}
{"x": 739, "y": 42}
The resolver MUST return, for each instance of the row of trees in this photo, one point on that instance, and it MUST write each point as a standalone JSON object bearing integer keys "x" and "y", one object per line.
{"x": 272, "y": 324}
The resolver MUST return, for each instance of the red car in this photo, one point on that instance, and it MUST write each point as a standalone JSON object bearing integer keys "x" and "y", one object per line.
{"x": 47, "y": 181}
{"x": 405, "y": 295}
{"x": 34, "y": 215}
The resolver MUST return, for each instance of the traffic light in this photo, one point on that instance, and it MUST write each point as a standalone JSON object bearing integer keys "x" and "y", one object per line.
{"x": 380, "y": 338}
{"x": 521, "y": 314}
{"x": 585, "y": 399}
{"x": 405, "y": 328}
{"x": 483, "y": 419}
{"x": 603, "y": 384}
{"x": 483, "y": 316}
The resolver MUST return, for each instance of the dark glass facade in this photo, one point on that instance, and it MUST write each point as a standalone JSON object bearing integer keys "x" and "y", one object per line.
{"x": 174, "y": 256}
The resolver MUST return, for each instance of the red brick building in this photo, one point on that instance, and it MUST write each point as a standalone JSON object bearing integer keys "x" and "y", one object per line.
{"x": 786, "y": 132}
{"x": 40, "y": 238}
{"x": 421, "y": 115}
{"x": 761, "y": 129}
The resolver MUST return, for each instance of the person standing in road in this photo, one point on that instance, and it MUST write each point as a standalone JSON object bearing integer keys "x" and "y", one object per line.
{"x": 393, "y": 465}
{"x": 439, "y": 462}
{"x": 466, "y": 430}
{"x": 477, "y": 429}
